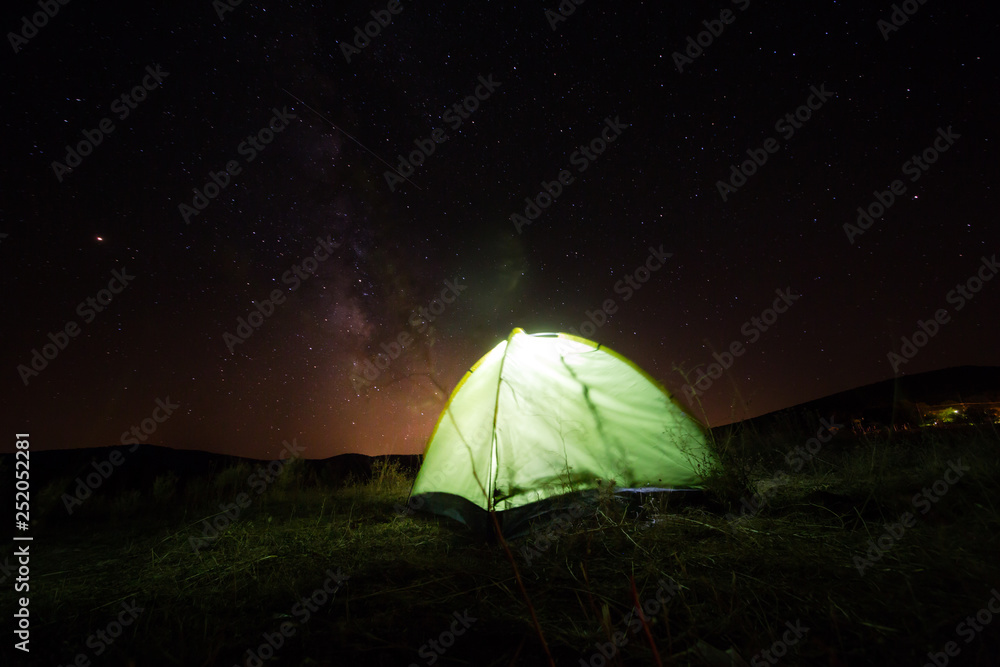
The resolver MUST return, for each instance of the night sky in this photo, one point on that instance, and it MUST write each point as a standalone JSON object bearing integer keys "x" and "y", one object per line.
{"x": 329, "y": 261}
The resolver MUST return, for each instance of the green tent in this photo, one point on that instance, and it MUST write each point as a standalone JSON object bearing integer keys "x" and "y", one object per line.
{"x": 544, "y": 417}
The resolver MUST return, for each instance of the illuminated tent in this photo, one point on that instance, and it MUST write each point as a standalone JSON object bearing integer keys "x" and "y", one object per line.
{"x": 542, "y": 418}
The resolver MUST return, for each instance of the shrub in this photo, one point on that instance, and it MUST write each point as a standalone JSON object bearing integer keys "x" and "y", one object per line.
{"x": 233, "y": 479}
{"x": 165, "y": 488}
{"x": 388, "y": 477}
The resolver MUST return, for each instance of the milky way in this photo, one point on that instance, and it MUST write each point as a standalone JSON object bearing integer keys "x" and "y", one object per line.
{"x": 325, "y": 234}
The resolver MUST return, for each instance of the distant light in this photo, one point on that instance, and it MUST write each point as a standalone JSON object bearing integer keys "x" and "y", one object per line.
{"x": 100, "y": 238}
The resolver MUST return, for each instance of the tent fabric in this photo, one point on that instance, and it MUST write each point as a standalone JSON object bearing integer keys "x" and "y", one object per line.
{"x": 544, "y": 415}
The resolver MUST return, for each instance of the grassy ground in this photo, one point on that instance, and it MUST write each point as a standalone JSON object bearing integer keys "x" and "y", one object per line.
{"x": 770, "y": 561}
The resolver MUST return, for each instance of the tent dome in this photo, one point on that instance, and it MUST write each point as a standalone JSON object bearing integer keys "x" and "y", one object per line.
{"x": 545, "y": 415}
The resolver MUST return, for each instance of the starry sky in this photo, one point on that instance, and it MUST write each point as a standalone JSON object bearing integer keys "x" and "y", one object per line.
{"x": 470, "y": 168}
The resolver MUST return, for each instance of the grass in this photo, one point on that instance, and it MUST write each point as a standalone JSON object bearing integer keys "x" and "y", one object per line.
{"x": 740, "y": 575}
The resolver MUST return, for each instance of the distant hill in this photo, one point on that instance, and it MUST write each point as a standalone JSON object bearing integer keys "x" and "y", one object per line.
{"x": 139, "y": 469}
{"x": 897, "y": 401}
